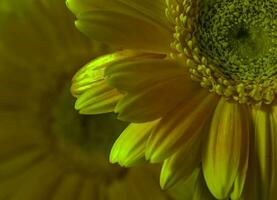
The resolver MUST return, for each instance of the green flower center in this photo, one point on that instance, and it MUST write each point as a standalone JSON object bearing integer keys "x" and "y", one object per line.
{"x": 229, "y": 46}
{"x": 238, "y": 37}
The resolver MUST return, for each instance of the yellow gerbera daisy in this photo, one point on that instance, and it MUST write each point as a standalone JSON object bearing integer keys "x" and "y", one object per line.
{"x": 198, "y": 81}
{"x": 47, "y": 150}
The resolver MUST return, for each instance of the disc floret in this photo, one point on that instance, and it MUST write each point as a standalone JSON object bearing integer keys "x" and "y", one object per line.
{"x": 229, "y": 46}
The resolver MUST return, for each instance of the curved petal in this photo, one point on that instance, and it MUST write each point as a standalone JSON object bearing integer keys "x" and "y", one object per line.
{"x": 201, "y": 191}
{"x": 181, "y": 165}
{"x": 240, "y": 180}
{"x": 93, "y": 93}
{"x": 101, "y": 98}
{"x": 264, "y": 145}
{"x": 124, "y": 31}
{"x": 154, "y": 10}
{"x": 155, "y": 101}
{"x": 129, "y": 148}
{"x": 225, "y": 146}
{"x": 273, "y": 123}
{"x": 185, "y": 189}
{"x": 180, "y": 124}
{"x": 133, "y": 75}
{"x": 94, "y": 71}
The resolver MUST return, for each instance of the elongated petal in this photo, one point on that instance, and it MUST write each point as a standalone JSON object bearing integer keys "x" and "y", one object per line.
{"x": 179, "y": 125}
{"x": 90, "y": 87}
{"x": 151, "y": 10}
{"x": 273, "y": 125}
{"x": 124, "y": 30}
{"x": 227, "y": 140}
{"x": 239, "y": 182}
{"x": 100, "y": 99}
{"x": 134, "y": 75}
{"x": 155, "y": 101}
{"x": 93, "y": 72}
{"x": 185, "y": 189}
{"x": 265, "y": 151}
{"x": 181, "y": 165}
{"x": 129, "y": 148}
{"x": 201, "y": 191}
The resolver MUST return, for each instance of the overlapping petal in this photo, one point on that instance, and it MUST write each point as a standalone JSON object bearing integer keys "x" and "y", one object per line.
{"x": 124, "y": 23}
{"x": 123, "y": 31}
{"x": 94, "y": 94}
{"x": 94, "y": 71}
{"x": 142, "y": 8}
{"x": 263, "y": 163}
{"x": 180, "y": 124}
{"x": 182, "y": 164}
{"x": 226, "y": 147}
{"x": 100, "y": 99}
{"x": 155, "y": 86}
{"x": 129, "y": 148}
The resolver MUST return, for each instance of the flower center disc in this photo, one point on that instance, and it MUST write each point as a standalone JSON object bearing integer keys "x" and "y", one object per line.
{"x": 229, "y": 46}
{"x": 238, "y": 37}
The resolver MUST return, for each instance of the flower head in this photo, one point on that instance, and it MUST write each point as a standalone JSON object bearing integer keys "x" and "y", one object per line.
{"x": 197, "y": 79}
{"x": 47, "y": 150}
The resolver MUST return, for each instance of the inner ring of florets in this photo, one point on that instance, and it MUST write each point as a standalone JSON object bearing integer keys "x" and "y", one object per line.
{"x": 229, "y": 46}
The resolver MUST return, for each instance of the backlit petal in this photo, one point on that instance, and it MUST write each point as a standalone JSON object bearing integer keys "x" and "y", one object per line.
{"x": 93, "y": 72}
{"x": 129, "y": 148}
{"x": 153, "y": 10}
{"x": 264, "y": 148}
{"x": 226, "y": 143}
{"x": 180, "y": 124}
{"x": 137, "y": 74}
{"x": 124, "y": 30}
{"x": 181, "y": 164}
{"x": 154, "y": 101}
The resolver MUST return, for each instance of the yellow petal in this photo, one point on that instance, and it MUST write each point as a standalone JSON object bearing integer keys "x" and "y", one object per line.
{"x": 89, "y": 86}
{"x": 201, "y": 191}
{"x": 134, "y": 75}
{"x": 124, "y": 30}
{"x": 153, "y": 10}
{"x": 264, "y": 147}
{"x": 239, "y": 182}
{"x": 155, "y": 101}
{"x": 93, "y": 72}
{"x": 226, "y": 142}
{"x": 99, "y": 99}
{"x": 273, "y": 123}
{"x": 181, "y": 164}
{"x": 185, "y": 189}
{"x": 180, "y": 124}
{"x": 129, "y": 148}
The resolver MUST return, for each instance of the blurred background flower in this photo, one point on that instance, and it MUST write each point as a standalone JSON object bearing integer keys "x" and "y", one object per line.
{"x": 47, "y": 150}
